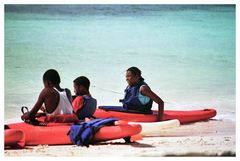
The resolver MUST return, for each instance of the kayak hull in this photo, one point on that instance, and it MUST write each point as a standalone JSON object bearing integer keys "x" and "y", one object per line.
{"x": 56, "y": 133}
{"x": 183, "y": 116}
{"x": 14, "y": 138}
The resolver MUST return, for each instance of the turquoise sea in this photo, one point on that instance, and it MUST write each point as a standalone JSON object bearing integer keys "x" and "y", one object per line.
{"x": 187, "y": 53}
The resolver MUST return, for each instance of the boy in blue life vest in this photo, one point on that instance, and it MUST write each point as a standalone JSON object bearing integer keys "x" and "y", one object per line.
{"x": 138, "y": 95}
{"x": 84, "y": 105}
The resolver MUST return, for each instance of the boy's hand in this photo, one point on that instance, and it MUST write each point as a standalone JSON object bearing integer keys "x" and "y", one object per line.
{"x": 25, "y": 116}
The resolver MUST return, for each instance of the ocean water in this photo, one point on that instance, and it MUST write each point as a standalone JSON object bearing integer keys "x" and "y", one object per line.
{"x": 186, "y": 52}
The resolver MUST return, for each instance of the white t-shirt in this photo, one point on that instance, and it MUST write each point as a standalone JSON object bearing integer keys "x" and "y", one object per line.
{"x": 64, "y": 106}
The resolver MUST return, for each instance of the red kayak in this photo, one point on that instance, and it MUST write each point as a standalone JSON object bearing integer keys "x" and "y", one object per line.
{"x": 56, "y": 133}
{"x": 182, "y": 116}
{"x": 14, "y": 138}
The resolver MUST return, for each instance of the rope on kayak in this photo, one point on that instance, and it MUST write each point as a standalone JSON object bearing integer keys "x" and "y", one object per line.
{"x": 107, "y": 90}
{"x": 119, "y": 93}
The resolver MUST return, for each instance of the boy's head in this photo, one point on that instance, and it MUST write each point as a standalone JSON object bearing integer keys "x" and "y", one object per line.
{"x": 51, "y": 76}
{"x": 81, "y": 85}
{"x": 133, "y": 75}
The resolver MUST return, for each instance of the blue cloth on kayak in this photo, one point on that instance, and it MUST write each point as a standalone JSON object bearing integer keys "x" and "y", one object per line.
{"x": 83, "y": 133}
{"x": 121, "y": 109}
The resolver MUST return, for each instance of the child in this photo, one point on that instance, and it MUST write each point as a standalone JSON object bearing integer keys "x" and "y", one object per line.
{"x": 56, "y": 100}
{"x": 138, "y": 95}
{"x": 84, "y": 105}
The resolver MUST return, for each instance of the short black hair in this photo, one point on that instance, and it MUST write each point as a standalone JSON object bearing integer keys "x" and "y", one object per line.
{"x": 82, "y": 80}
{"x": 52, "y": 76}
{"x": 136, "y": 71}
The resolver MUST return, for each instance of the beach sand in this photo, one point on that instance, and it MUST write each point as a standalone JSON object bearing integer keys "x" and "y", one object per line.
{"x": 208, "y": 138}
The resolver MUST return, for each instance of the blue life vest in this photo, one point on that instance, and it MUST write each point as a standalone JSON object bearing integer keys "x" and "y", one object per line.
{"x": 88, "y": 109}
{"x": 83, "y": 133}
{"x": 131, "y": 99}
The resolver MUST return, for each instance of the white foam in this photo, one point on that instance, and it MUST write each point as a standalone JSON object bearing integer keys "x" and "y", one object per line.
{"x": 226, "y": 116}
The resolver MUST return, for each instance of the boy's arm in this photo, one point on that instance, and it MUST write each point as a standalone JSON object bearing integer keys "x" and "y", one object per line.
{"x": 77, "y": 103}
{"x": 32, "y": 113}
{"x": 149, "y": 93}
{"x": 69, "y": 95}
